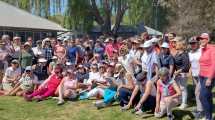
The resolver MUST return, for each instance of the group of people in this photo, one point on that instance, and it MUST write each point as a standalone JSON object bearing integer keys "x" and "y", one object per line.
{"x": 146, "y": 73}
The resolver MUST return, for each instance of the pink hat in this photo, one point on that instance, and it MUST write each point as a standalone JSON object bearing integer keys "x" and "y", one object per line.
{"x": 203, "y": 36}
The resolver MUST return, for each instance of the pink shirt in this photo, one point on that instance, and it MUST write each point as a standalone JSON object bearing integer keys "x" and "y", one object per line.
{"x": 170, "y": 89}
{"x": 69, "y": 84}
{"x": 53, "y": 82}
{"x": 109, "y": 49}
{"x": 207, "y": 62}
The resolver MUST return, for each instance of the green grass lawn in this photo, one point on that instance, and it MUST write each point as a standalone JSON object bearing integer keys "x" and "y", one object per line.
{"x": 15, "y": 108}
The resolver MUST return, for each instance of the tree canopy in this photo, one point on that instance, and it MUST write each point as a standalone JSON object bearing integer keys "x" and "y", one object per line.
{"x": 81, "y": 15}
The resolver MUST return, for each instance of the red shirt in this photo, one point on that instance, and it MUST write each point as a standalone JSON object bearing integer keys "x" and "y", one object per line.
{"x": 207, "y": 62}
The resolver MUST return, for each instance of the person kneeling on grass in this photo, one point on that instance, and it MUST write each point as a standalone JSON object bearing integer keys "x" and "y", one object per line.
{"x": 168, "y": 93}
{"x": 48, "y": 87}
{"x": 143, "y": 96}
{"x": 68, "y": 87}
{"x": 25, "y": 84}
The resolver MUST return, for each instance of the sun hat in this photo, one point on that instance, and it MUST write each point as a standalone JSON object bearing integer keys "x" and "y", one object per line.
{"x": 165, "y": 45}
{"x": 16, "y": 37}
{"x": 27, "y": 44}
{"x": 147, "y": 44}
{"x": 42, "y": 60}
{"x": 54, "y": 57}
{"x": 15, "y": 61}
{"x": 154, "y": 40}
{"x": 68, "y": 63}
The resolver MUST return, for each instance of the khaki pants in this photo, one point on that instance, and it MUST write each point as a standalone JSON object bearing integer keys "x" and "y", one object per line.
{"x": 166, "y": 106}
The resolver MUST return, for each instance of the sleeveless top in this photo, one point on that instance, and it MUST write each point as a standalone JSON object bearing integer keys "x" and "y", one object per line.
{"x": 166, "y": 89}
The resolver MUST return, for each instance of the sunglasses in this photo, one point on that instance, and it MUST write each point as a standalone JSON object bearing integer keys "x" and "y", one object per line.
{"x": 28, "y": 71}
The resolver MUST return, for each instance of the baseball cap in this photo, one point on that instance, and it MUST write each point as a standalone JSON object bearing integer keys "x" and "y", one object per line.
{"x": 193, "y": 40}
{"x": 203, "y": 36}
{"x": 28, "y": 68}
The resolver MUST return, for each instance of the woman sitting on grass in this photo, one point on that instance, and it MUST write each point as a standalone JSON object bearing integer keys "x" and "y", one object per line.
{"x": 110, "y": 90}
{"x": 168, "y": 93}
{"x": 98, "y": 85}
{"x": 68, "y": 87}
{"x": 143, "y": 97}
{"x": 125, "y": 89}
{"x": 11, "y": 76}
{"x": 25, "y": 84}
{"x": 48, "y": 87}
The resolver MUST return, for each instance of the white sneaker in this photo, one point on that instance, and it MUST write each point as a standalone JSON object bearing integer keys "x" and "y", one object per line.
{"x": 182, "y": 106}
{"x": 60, "y": 102}
{"x": 158, "y": 115}
{"x": 139, "y": 112}
{"x": 204, "y": 118}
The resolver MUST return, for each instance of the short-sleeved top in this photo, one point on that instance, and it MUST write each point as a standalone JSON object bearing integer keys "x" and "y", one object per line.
{"x": 165, "y": 60}
{"x": 182, "y": 62}
{"x": 3, "y": 59}
{"x": 82, "y": 76}
{"x": 126, "y": 63}
{"x": 71, "y": 52}
{"x": 109, "y": 49}
{"x": 68, "y": 84}
{"x": 99, "y": 50}
{"x": 41, "y": 72}
{"x": 17, "y": 51}
{"x": 48, "y": 53}
{"x": 59, "y": 51}
{"x": 36, "y": 50}
{"x": 142, "y": 87}
{"x": 194, "y": 58}
{"x": 26, "y": 59}
{"x": 93, "y": 76}
{"x": 27, "y": 83}
{"x": 149, "y": 60}
{"x": 11, "y": 74}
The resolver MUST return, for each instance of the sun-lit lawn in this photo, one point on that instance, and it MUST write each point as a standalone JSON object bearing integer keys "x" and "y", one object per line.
{"x": 15, "y": 108}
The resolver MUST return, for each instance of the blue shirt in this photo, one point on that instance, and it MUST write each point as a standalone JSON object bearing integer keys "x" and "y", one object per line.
{"x": 71, "y": 52}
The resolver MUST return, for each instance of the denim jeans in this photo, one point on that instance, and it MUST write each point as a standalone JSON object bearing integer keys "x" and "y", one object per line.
{"x": 124, "y": 96}
{"x": 206, "y": 97}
